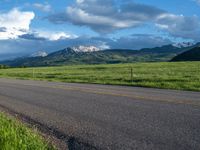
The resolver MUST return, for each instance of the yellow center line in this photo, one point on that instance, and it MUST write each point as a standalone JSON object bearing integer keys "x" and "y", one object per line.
{"x": 135, "y": 97}
{"x": 103, "y": 92}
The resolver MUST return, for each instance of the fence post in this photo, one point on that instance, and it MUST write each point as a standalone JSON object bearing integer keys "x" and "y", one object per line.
{"x": 131, "y": 75}
{"x": 33, "y": 73}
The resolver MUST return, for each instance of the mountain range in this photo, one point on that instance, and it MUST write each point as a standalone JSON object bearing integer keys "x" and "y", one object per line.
{"x": 94, "y": 55}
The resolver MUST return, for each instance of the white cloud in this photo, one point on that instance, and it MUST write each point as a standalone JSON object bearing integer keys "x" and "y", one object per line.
{"x": 54, "y": 36}
{"x": 43, "y": 7}
{"x": 15, "y": 23}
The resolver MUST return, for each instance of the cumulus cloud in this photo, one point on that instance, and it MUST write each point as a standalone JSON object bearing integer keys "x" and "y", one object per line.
{"x": 106, "y": 16}
{"x": 14, "y": 23}
{"x": 43, "y": 7}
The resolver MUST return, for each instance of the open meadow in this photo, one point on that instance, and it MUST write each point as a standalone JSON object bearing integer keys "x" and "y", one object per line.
{"x": 167, "y": 75}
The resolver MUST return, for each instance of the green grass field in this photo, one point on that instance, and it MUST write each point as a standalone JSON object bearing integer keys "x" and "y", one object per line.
{"x": 15, "y": 136}
{"x": 168, "y": 75}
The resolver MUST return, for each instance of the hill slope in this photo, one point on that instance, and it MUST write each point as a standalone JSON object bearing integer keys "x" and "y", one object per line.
{"x": 191, "y": 55}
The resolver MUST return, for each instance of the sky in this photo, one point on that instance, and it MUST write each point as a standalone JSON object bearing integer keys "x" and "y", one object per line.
{"x": 34, "y": 25}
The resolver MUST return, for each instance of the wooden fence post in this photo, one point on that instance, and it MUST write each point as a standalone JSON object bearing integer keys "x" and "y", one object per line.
{"x": 131, "y": 75}
{"x": 33, "y": 73}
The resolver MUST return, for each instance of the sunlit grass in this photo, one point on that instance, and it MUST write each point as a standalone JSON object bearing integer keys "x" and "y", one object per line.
{"x": 15, "y": 136}
{"x": 181, "y": 75}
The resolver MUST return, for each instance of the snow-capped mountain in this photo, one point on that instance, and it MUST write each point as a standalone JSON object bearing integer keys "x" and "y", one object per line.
{"x": 39, "y": 54}
{"x": 183, "y": 44}
{"x": 85, "y": 48}
{"x": 94, "y": 55}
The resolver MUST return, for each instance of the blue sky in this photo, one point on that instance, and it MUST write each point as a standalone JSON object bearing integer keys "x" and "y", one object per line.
{"x": 29, "y": 26}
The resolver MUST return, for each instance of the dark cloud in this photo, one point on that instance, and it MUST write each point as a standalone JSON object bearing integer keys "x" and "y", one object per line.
{"x": 3, "y": 29}
{"x": 140, "y": 12}
{"x": 31, "y": 36}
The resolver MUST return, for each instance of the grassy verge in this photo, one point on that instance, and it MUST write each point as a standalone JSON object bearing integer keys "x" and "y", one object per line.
{"x": 15, "y": 136}
{"x": 181, "y": 75}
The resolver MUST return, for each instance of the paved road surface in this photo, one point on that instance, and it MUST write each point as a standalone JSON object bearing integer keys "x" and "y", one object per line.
{"x": 109, "y": 117}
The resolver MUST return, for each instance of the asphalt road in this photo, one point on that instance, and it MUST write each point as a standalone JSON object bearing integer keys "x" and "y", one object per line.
{"x": 109, "y": 117}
